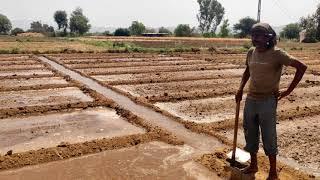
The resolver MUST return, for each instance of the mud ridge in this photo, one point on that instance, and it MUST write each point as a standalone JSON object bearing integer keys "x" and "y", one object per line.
{"x": 217, "y": 162}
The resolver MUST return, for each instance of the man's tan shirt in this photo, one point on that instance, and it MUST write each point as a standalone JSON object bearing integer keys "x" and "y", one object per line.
{"x": 265, "y": 71}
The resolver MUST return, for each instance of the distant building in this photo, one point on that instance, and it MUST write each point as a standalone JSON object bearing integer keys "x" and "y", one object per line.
{"x": 302, "y": 35}
{"x": 155, "y": 34}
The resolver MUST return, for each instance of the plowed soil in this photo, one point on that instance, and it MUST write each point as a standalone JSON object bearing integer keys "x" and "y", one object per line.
{"x": 196, "y": 90}
{"x": 201, "y": 95}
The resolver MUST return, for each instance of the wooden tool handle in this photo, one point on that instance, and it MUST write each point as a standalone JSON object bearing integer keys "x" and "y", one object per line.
{"x": 235, "y": 135}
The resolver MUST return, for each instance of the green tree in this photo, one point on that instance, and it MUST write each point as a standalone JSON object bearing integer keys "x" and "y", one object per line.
{"x": 183, "y": 30}
{"x": 79, "y": 23}
{"x": 61, "y": 19}
{"x": 150, "y": 30}
{"x": 137, "y": 28}
{"x": 38, "y": 27}
{"x": 317, "y": 20}
{"x": 224, "y": 29}
{"x": 5, "y": 24}
{"x": 106, "y": 33}
{"x": 164, "y": 30}
{"x": 122, "y": 32}
{"x": 243, "y": 28}
{"x": 291, "y": 31}
{"x": 210, "y": 15}
{"x": 309, "y": 24}
{"x": 17, "y": 31}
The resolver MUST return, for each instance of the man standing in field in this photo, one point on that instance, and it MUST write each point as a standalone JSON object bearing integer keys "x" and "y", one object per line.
{"x": 264, "y": 66}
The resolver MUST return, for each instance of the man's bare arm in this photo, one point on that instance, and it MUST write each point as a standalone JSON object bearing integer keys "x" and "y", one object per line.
{"x": 300, "y": 70}
{"x": 244, "y": 80}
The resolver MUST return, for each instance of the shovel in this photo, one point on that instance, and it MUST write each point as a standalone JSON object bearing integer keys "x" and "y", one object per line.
{"x": 237, "y": 157}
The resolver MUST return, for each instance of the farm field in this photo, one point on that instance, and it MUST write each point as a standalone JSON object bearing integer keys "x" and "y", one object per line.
{"x": 197, "y": 90}
{"x": 143, "y": 115}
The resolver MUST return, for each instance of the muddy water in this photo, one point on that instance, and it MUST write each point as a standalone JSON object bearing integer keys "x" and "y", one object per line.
{"x": 198, "y": 141}
{"x": 155, "y": 160}
{"x": 36, "y": 132}
{"x": 25, "y": 72}
{"x": 12, "y": 99}
{"x": 11, "y": 83}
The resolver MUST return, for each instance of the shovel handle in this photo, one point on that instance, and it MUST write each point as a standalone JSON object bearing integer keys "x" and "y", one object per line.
{"x": 235, "y": 135}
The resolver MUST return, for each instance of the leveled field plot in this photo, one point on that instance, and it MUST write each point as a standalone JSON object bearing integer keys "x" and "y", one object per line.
{"x": 22, "y": 66}
{"x": 154, "y": 160}
{"x": 148, "y": 69}
{"x": 35, "y": 132}
{"x": 198, "y": 89}
{"x": 298, "y": 141}
{"x": 135, "y": 64}
{"x": 36, "y": 72}
{"x": 112, "y": 59}
{"x": 7, "y": 84}
{"x": 201, "y": 111}
{"x": 181, "y": 90}
{"x": 167, "y": 76}
{"x": 13, "y": 99}
{"x": 193, "y": 89}
{"x": 16, "y": 62}
{"x": 223, "y": 108}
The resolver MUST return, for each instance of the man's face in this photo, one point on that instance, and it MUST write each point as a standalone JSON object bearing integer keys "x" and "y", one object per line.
{"x": 260, "y": 39}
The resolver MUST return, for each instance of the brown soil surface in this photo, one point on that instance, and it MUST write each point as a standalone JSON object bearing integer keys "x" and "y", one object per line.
{"x": 153, "y": 160}
{"x": 217, "y": 162}
{"x": 18, "y": 67}
{"x": 16, "y": 73}
{"x": 297, "y": 141}
{"x": 136, "y": 64}
{"x": 14, "y": 99}
{"x": 33, "y": 83}
{"x": 148, "y": 69}
{"x": 49, "y": 130}
{"x": 195, "y": 89}
{"x": 206, "y": 83}
{"x": 17, "y": 62}
{"x": 157, "y": 77}
{"x": 123, "y": 60}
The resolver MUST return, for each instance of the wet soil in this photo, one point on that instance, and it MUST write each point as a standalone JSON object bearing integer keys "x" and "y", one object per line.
{"x": 297, "y": 141}
{"x": 14, "y": 99}
{"x": 206, "y": 83}
{"x": 32, "y": 83}
{"x": 153, "y": 160}
{"x": 36, "y": 132}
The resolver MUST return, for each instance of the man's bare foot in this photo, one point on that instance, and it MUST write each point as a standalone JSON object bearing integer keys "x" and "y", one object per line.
{"x": 250, "y": 170}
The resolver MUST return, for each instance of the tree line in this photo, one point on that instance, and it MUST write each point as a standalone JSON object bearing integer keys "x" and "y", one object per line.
{"x": 210, "y": 16}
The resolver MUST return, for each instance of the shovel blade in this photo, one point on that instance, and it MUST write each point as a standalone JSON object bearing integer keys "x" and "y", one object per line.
{"x": 241, "y": 155}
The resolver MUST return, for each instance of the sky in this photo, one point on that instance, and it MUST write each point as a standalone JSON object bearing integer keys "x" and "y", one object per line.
{"x": 155, "y": 13}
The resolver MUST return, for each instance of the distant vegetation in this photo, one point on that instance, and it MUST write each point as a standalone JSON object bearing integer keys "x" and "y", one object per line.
{"x": 210, "y": 18}
{"x": 122, "y": 32}
{"x": 5, "y": 24}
